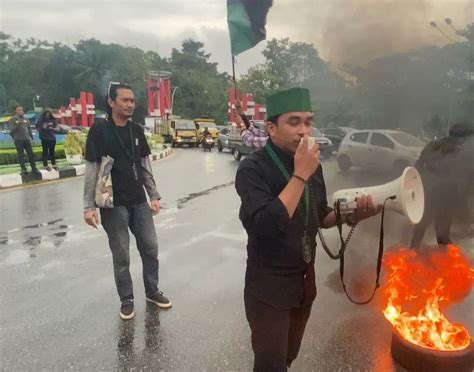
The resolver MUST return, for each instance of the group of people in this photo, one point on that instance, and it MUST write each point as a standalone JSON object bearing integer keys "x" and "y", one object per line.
{"x": 20, "y": 131}
{"x": 283, "y": 197}
{"x": 283, "y": 204}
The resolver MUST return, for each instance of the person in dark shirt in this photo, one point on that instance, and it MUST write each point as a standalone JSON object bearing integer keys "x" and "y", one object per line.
{"x": 445, "y": 167}
{"x": 124, "y": 141}
{"x": 20, "y": 130}
{"x": 283, "y": 197}
{"x": 47, "y": 127}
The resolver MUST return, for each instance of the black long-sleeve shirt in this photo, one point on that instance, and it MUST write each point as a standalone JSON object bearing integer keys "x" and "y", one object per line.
{"x": 275, "y": 265}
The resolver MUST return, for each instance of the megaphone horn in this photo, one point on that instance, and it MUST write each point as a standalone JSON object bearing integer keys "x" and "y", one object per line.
{"x": 406, "y": 196}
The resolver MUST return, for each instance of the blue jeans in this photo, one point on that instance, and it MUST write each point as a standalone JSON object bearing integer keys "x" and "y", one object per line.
{"x": 138, "y": 218}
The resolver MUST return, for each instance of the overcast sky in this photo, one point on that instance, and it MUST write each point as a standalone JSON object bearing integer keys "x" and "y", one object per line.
{"x": 342, "y": 30}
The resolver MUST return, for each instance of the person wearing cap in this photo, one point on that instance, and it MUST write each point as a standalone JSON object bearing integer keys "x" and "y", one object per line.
{"x": 445, "y": 167}
{"x": 283, "y": 196}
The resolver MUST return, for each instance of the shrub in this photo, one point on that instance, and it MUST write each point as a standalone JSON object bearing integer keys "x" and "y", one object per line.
{"x": 73, "y": 144}
{"x": 9, "y": 156}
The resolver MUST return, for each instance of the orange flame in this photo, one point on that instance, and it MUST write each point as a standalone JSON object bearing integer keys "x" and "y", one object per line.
{"x": 416, "y": 288}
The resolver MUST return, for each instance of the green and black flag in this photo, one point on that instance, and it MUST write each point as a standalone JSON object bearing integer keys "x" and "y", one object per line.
{"x": 247, "y": 20}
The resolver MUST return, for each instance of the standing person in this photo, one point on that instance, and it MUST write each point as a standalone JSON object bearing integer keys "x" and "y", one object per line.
{"x": 47, "y": 127}
{"x": 252, "y": 137}
{"x": 278, "y": 187}
{"x": 445, "y": 167}
{"x": 124, "y": 141}
{"x": 20, "y": 130}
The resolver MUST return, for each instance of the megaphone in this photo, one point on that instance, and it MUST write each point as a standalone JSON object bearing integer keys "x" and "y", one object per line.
{"x": 406, "y": 196}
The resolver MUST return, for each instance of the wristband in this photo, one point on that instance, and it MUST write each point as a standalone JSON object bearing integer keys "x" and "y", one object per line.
{"x": 299, "y": 178}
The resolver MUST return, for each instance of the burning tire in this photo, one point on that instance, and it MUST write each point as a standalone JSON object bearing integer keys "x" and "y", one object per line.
{"x": 420, "y": 359}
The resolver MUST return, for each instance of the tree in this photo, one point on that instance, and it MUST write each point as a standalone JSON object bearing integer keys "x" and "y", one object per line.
{"x": 202, "y": 89}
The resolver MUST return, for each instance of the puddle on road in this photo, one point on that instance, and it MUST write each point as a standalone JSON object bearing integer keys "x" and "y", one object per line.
{"x": 182, "y": 201}
{"x": 32, "y": 236}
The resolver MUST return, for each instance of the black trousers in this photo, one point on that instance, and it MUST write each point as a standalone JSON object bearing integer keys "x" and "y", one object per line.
{"x": 22, "y": 146}
{"x": 441, "y": 216}
{"x": 48, "y": 151}
{"x": 276, "y": 334}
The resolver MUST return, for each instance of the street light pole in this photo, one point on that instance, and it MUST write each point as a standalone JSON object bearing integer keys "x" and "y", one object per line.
{"x": 172, "y": 99}
{"x": 435, "y": 25}
{"x": 4, "y": 97}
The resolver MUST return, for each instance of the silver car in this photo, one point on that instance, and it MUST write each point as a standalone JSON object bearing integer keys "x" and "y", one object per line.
{"x": 379, "y": 149}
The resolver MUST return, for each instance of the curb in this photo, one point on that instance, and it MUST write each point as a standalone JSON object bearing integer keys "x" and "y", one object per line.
{"x": 12, "y": 180}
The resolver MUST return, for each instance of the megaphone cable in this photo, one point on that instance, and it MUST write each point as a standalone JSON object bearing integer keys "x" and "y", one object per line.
{"x": 345, "y": 242}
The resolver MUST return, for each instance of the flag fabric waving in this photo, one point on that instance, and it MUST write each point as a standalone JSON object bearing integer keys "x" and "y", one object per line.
{"x": 247, "y": 20}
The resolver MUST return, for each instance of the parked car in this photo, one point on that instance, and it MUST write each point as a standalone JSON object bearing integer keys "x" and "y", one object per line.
{"x": 347, "y": 130}
{"x": 223, "y": 139}
{"x": 325, "y": 144}
{"x": 238, "y": 149}
{"x": 336, "y": 135}
{"x": 64, "y": 129}
{"x": 379, "y": 149}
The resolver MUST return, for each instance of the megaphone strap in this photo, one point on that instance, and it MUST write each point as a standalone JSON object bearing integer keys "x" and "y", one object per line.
{"x": 379, "y": 259}
{"x": 345, "y": 242}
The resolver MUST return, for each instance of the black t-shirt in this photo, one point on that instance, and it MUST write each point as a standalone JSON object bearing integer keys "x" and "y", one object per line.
{"x": 103, "y": 140}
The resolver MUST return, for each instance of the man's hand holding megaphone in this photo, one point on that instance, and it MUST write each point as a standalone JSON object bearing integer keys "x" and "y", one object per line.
{"x": 365, "y": 208}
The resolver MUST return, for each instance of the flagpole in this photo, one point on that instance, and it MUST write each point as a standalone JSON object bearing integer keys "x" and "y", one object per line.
{"x": 235, "y": 87}
{"x": 233, "y": 76}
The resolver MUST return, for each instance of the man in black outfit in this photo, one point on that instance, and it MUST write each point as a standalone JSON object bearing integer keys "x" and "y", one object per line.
{"x": 445, "y": 167}
{"x": 118, "y": 137}
{"x": 278, "y": 186}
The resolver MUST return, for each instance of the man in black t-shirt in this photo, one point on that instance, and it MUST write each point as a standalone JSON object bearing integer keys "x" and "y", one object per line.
{"x": 122, "y": 140}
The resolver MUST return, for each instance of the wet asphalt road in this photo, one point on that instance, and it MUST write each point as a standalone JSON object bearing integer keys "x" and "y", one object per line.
{"x": 59, "y": 307}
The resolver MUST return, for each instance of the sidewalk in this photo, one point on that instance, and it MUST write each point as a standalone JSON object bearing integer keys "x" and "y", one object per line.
{"x": 10, "y": 176}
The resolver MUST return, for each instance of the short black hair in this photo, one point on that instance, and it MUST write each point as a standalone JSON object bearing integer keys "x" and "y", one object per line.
{"x": 274, "y": 119}
{"x": 114, "y": 87}
{"x": 112, "y": 94}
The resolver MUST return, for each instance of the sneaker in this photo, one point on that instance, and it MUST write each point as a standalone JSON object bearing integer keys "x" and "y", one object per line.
{"x": 126, "y": 310}
{"x": 55, "y": 167}
{"x": 47, "y": 168}
{"x": 35, "y": 171}
{"x": 159, "y": 300}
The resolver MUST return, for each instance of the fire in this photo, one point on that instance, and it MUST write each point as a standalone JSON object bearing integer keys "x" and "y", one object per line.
{"x": 418, "y": 286}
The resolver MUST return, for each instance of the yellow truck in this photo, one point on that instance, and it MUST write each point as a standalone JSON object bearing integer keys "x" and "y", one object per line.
{"x": 202, "y": 123}
{"x": 183, "y": 132}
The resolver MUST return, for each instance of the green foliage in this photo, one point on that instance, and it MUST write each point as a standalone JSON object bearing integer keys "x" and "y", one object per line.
{"x": 56, "y": 72}
{"x": 73, "y": 144}
{"x": 405, "y": 90}
{"x": 202, "y": 89}
{"x": 12, "y": 104}
{"x": 9, "y": 156}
